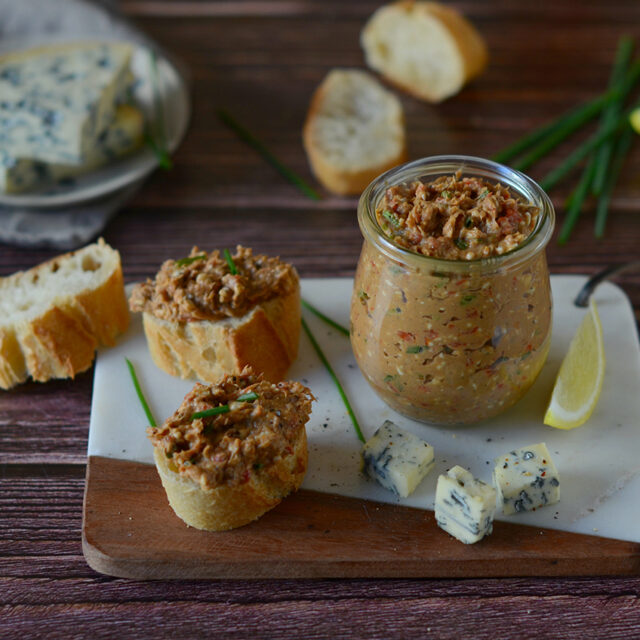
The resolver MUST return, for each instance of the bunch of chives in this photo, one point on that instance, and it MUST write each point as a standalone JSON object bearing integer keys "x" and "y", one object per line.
{"x": 604, "y": 151}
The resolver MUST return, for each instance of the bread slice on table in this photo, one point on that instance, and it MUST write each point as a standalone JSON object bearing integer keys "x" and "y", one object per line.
{"x": 55, "y": 315}
{"x": 201, "y": 321}
{"x": 224, "y": 471}
{"x": 354, "y": 131}
{"x": 426, "y": 48}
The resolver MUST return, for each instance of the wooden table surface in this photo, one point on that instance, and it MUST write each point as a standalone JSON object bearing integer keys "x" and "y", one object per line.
{"x": 261, "y": 60}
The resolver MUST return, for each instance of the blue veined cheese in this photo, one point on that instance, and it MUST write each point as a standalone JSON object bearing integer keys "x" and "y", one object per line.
{"x": 122, "y": 137}
{"x": 526, "y": 479}
{"x": 397, "y": 459}
{"x": 55, "y": 101}
{"x": 465, "y": 506}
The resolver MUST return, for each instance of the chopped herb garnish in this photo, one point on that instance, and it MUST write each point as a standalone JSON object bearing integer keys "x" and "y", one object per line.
{"x": 445, "y": 194}
{"x": 233, "y": 270}
{"x": 483, "y": 195}
{"x": 461, "y": 244}
{"x": 326, "y": 319}
{"x": 247, "y": 137}
{"x": 525, "y": 355}
{"x": 468, "y": 223}
{"x": 331, "y": 372}
{"x": 247, "y": 397}
{"x": 416, "y": 348}
{"x": 465, "y": 300}
{"x": 391, "y": 217}
{"x": 389, "y": 378}
{"x": 363, "y": 296}
{"x": 141, "y": 397}
{"x": 224, "y": 408}
{"x": 185, "y": 261}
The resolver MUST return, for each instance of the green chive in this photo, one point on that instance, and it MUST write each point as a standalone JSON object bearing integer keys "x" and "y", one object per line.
{"x": 579, "y": 154}
{"x": 566, "y": 124}
{"x": 391, "y": 217}
{"x": 233, "y": 270}
{"x": 227, "y": 119}
{"x": 185, "y": 261}
{"x": 619, "y": 154}
{"x": 577, "y": 198}
{"x": 224, "y": 408}
{"x": 611, "y": 112}
{"x": 141, "y": 397}
{"x": 329, "y": 369}
{"x": 157, "y": 140}
{"x": 415, "y": 349}
{"x": 326, "y": 319}
{"x": 461, "y": 244}
{"x": 247, "y": 397}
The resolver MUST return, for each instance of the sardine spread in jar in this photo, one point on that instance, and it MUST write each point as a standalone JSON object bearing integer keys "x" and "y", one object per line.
{"x": 451, "y": 308}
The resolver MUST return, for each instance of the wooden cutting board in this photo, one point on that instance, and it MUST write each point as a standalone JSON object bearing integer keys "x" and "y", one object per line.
{"x": 130, "y": 531}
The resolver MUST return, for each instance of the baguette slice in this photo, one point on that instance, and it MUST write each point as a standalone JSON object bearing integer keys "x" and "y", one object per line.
{"x": 354, "y": 131}
{"x": 54, "y": 316}
{"x": 428, "y": 49}
{"x": 265, "y": 338}
{"x": 224, "y": 507}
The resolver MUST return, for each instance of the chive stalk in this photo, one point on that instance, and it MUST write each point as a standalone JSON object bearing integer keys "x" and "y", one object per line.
{"x": 143, "y": 401}
{"x": 329, "y": 321}
{"x": 552, "y": 134}
{"x": 577, "y": 199}
{"x": 579, "y": 154}
{"x": 619, "y": 154}
{"x": 224, "y": 408}
{"x": 331, "y": 372}
{"x": 612, "y": 112}
{"x": 233, "y": 270}
{"x": 190, "y": 259}
{"x": 227, "y": 119}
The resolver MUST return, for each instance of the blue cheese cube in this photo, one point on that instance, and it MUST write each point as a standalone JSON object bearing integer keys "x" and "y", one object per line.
{"x": 120, "y": 138}
{"x": 397, "y": 459}
{"x": 526, "y": 479}
{"x": 55, "y": 101}
{"x": 465, "y": 506}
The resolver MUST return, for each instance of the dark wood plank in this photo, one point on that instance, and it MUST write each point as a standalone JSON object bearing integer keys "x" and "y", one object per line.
{"x": 130, "y": 531}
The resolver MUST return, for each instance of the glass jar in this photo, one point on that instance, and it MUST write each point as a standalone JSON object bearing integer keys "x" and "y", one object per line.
{"x": 451, "y": 341}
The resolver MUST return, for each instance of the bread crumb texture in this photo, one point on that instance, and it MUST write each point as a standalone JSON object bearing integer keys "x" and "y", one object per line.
{"x": 428, "y": 49}
{"x": 54, "y": 316}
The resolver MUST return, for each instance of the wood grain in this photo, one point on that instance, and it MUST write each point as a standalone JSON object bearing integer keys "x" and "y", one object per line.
{"x": 130, "y": 531}
{"x": 261, "y": 59}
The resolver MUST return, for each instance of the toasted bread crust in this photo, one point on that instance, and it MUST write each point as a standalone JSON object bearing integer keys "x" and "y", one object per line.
{"x": 228, "y": 507}
{"x": 266, "y": 339}
{"x": 60, "y": 342}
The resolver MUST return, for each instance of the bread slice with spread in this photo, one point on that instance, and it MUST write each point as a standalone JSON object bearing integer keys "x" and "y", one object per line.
{"x": 206, "y": 315}
{"x": 354, "y": 131}
{"x": 426, "y": 48}
{"x": 233, "y": 450}
{"x": 54, "y": 316}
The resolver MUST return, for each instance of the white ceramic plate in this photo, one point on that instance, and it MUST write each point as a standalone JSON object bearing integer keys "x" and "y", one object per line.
{"x": 174, "y": 98}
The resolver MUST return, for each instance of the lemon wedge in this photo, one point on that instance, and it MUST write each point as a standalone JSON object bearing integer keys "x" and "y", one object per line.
{"x": 634, "y": 119}
{"x": 579, "y": 382}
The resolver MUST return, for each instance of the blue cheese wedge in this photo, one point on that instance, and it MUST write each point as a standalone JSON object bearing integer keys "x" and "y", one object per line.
{"x": 397, "y": 459}
{"x": 123, "y": 136}
{"x": 464, "y": 506}
{"x": 526, "y": 479}
{"x": 56, "y": 101}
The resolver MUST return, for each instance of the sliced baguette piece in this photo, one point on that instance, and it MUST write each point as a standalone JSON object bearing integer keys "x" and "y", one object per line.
{"x": 265, "y": 338}
{"x": 224, "y": 471}
{"x": 426, "y": 48}
{"x": 54, "y": 316}
{"x": 354, "y": 131}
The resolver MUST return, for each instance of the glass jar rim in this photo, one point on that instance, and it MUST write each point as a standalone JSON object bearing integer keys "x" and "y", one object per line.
{"x": 436, "y": 166}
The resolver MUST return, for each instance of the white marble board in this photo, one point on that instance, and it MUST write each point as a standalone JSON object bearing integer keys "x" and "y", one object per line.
{"x": 598, "y": 463}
